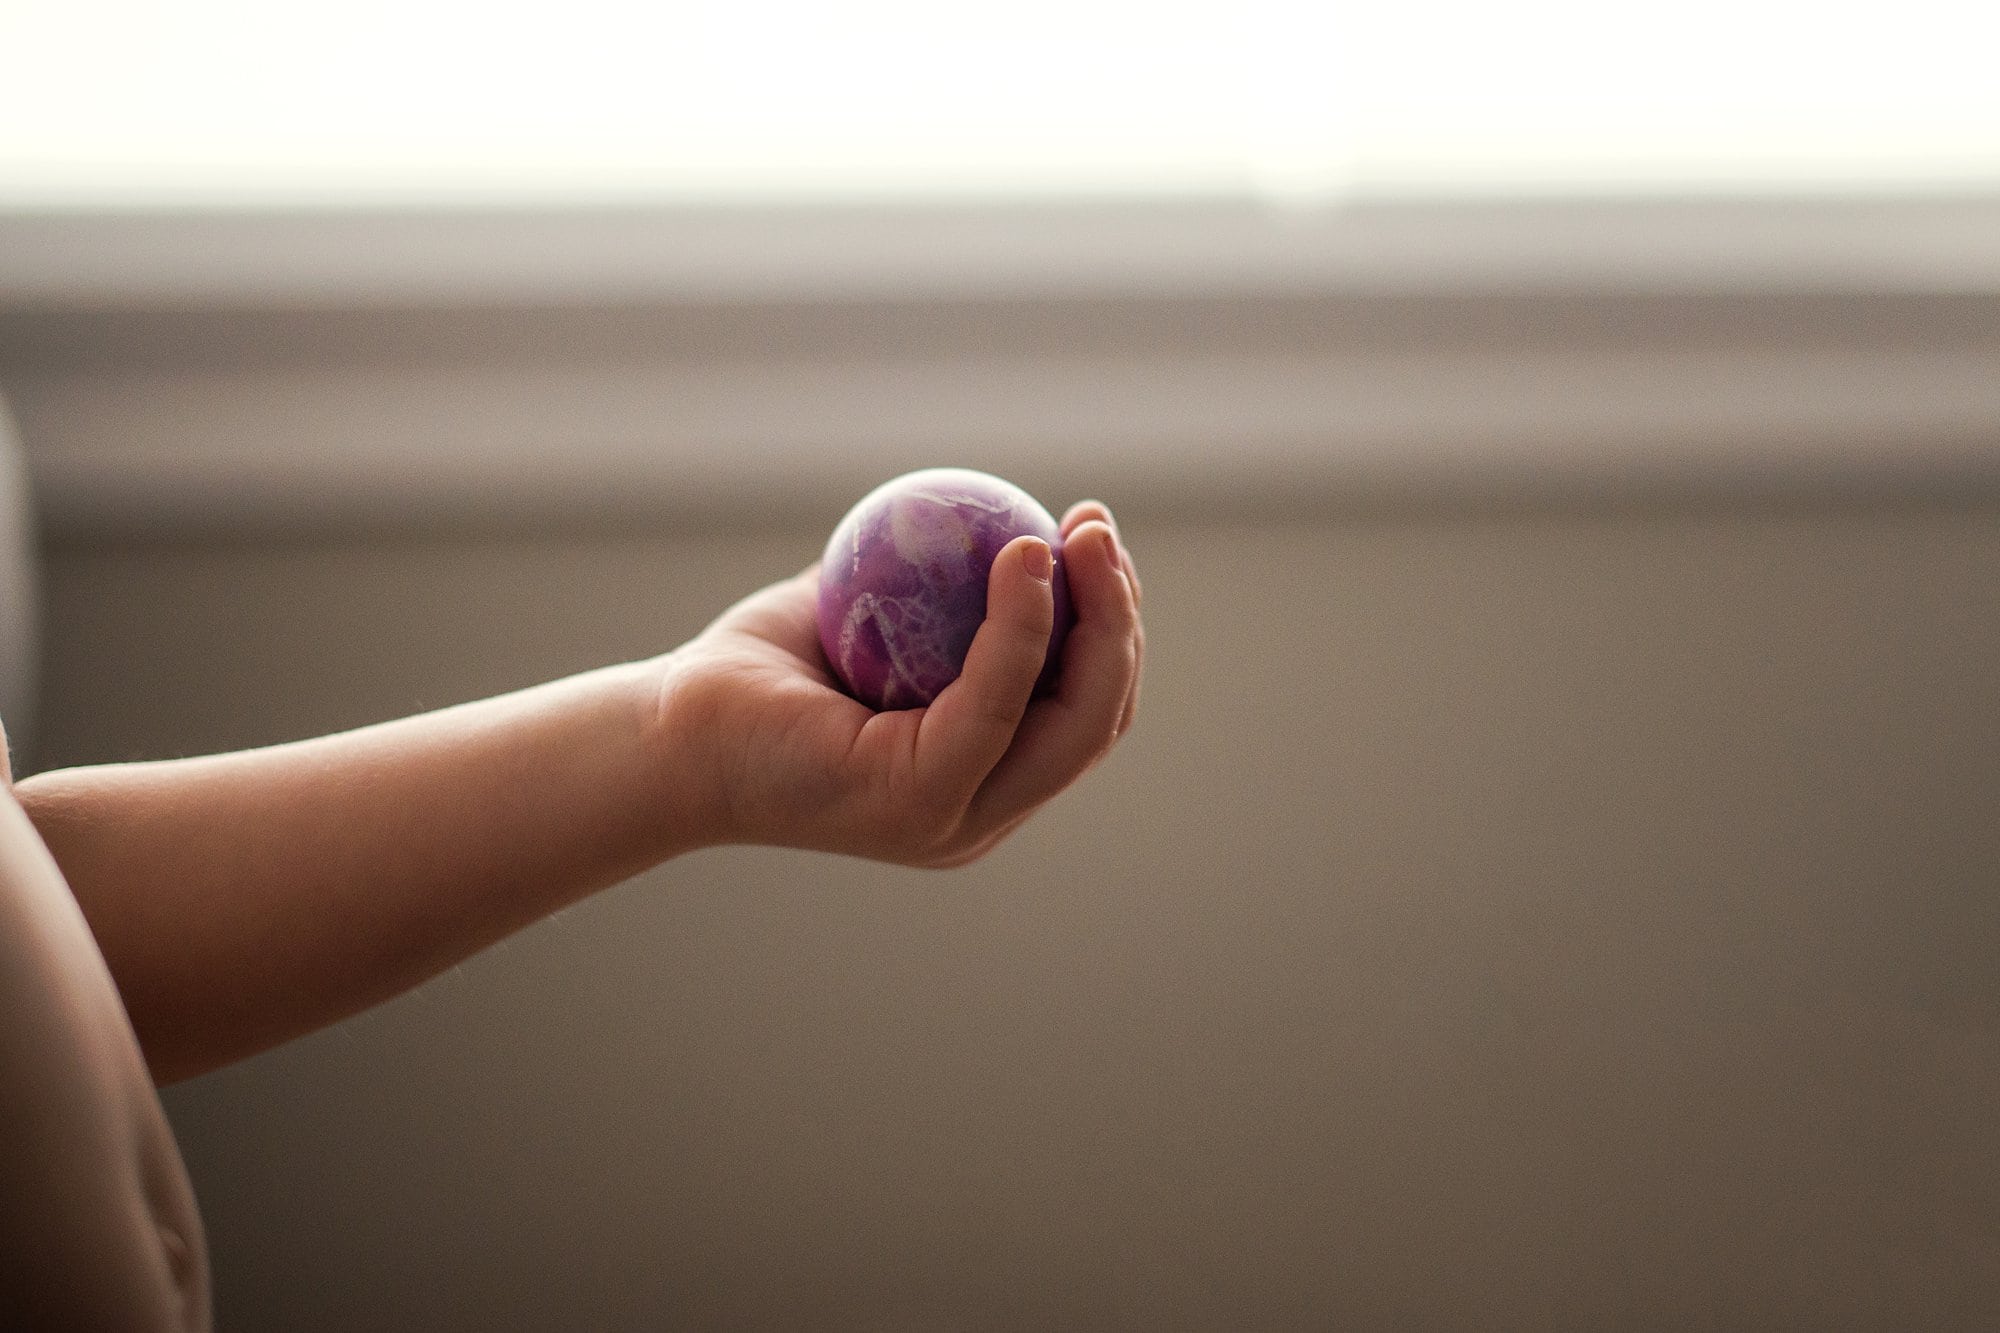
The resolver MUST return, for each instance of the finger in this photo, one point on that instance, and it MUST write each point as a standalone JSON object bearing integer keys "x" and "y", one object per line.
{"x": 1083, "y": 511}
{"x": 1062, "y": 737}
{"x": 1131, "y": 713}
{"x": 970, "y": 725}
{"x": 1138, "y": 641}
{"x": 1131, "y": 573}
{"x": 970, "y": 852}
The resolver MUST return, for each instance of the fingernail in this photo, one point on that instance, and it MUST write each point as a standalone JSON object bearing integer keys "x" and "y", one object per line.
{"x": 1041, "y": 561}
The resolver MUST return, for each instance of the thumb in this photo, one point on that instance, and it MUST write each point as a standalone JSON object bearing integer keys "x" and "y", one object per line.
{"x": 969, "y": 726}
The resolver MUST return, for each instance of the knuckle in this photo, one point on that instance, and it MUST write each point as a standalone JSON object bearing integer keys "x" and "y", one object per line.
{"x": 1035, "y": 621}
{"x": 941, "y": 851}
{"x": 967, "y": 849}
{"x": 999, "y": 710}
{"x": 954, "y": 860}
{"x": 936, "y": 811}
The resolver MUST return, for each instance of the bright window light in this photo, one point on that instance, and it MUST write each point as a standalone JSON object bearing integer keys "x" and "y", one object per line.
{"x": 119, "y": 103}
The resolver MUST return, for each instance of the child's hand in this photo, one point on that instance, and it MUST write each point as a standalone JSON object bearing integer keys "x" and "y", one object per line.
{"x": 771, "y": 751}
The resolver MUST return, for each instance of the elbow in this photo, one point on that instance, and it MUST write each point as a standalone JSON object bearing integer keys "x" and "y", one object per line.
{"x": 185, "y": 1303}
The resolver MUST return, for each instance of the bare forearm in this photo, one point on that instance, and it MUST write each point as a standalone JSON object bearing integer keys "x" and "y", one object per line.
{"x": 244, "y": 899}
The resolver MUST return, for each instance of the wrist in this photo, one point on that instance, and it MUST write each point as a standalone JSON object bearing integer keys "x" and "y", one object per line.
{"x": 684, "y": 790}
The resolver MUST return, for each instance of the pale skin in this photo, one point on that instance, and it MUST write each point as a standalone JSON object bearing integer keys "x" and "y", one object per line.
{"x": 237, "y": 901}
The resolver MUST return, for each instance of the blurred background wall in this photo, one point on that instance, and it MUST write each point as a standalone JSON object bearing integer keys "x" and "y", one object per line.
{"x": 1541, "y": 918}
{"x": 1555, "y": 879}
{"x": 1552, "y": 884}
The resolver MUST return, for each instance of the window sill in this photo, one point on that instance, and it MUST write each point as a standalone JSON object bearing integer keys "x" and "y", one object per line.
{"x": 207, "y": 375}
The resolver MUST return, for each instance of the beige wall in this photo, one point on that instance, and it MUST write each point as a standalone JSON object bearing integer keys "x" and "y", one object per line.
{"x": 1530, "y": 919}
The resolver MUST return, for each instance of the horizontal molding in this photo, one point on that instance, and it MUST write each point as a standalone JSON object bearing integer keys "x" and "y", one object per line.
{"x": 268, "y": 450}
{"x": 254, "y": 401}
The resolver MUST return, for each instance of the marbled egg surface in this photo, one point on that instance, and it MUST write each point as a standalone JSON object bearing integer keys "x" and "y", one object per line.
{"x": 903, "y": 582}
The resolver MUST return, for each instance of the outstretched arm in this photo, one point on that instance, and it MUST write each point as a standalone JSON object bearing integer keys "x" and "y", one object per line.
{"x": 244, "y": 899}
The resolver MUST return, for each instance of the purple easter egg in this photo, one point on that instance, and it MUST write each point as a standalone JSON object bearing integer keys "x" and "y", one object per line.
{"x": 902, "y": 588}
